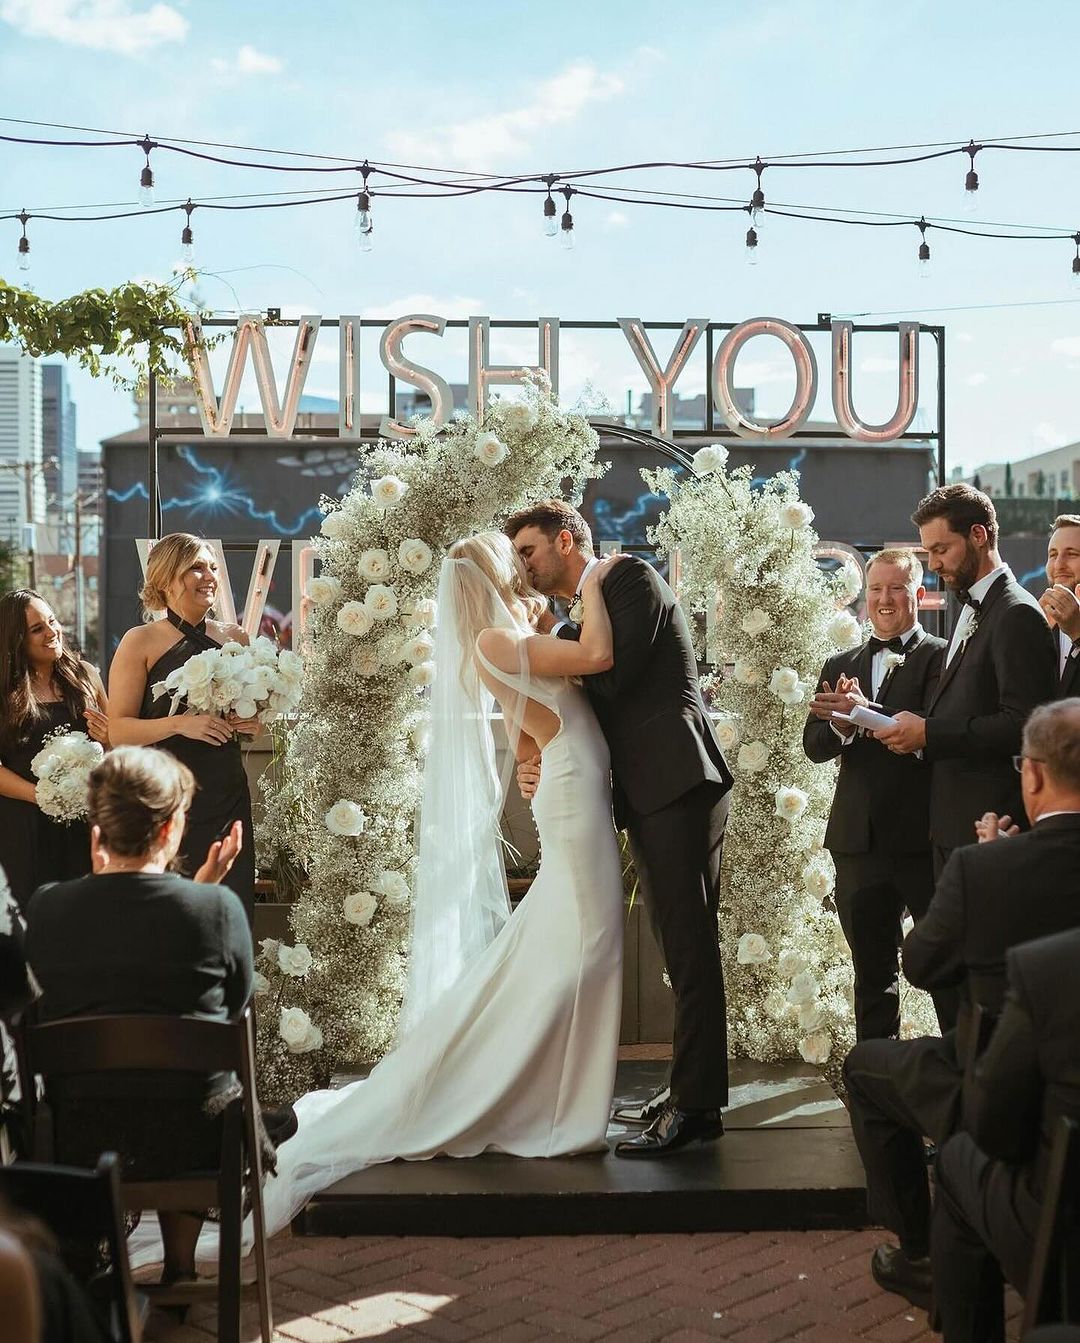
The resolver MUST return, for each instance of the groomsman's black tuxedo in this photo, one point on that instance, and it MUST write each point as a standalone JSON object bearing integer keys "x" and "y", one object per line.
{"x": 1069, "y": 678}
{"x": 670, "y": 783}
{"x": 879, "y": 826}
{"x": 990, "y": 898}
{"x": 991, "y": 1179}
{"x": 977, "y": 715}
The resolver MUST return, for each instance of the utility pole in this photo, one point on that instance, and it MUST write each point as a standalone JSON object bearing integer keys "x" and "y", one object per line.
{"x": 31, "y": 528}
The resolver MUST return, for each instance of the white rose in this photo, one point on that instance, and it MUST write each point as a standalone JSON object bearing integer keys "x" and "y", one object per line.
{"x": 268, "y": 949}
{"x": 756, "y": 621}
{"x": 713, "y": 457}
{"x": 414, "y": 556}
{"x": 774, "y": 1005}
{"x": 246, "y": 708}
{"x": 810, "y": 1016}
{"x": 381, "y": 602}
{"x": 489, "y": 449}
{"x": 849, "y": 581}
{"x": 373, "y": 566}
{"x": 817, "y": 879}
{"x": 746, "y": 673}
{"x": 393, "y": 886}
{"x": 753, "y": 757}
{"x": 290, "y": 665}
{"x": 334, "y": 526}
{"x": 796, "y": 515}
{"x": 790, "y": 803}
{"x": 795, "y": 696}
{"x": 345, "y": 818}
{"x": 260, "y": 983}
{"x": 844, "y": 630}
{"x": 784, "y": 681}
{"x": 421, "y": 613}
{"x": 519, "y": 417}
{"x": 727, "y": 733}
{"x": 324, "y": 590}
{"x": 804, "y": 989}
{"x": 294, "y": 961}
{"x": 355, "y": 619}
{"x": 753, "y": 950}
{"x": 359, "y": 907}
{"x": 299, "y": 1032}
{"x": 420, "y": 649}
{"x": 816, "y": 1048}
{"x": 791, "y": 963}
{"x": 388, "y": 491}
{"x": 198, "y": 670}
{"x": 422, "y": 675}
{"x": 364, "y": 661}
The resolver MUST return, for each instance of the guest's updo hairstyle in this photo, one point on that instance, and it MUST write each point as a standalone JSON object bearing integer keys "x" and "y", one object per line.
{"x": 133, "y": 792}
{"x": 168, "y": 558}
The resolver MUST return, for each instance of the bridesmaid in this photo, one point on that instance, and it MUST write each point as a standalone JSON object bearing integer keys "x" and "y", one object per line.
{"x": 44, "y": 686}
{"x": 182, "y": 580}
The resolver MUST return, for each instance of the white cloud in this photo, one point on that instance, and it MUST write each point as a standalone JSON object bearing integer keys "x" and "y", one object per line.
{"x": 616, "y": 219}
{"x": 247, "y": 61}
{"x": 1067, "y": 345}
{"x": 480, "y": 141}
{"x": 102, "y": 25}
{"x": 975, "y": 379}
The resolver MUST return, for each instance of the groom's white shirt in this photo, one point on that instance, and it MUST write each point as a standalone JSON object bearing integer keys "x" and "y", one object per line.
{"x": 589, "y": 564}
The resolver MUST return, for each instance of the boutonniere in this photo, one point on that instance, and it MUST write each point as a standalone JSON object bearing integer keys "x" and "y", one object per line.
{"x": 968, "y": 634}
{"x": 893, "y": 660}
{"x": 576, "y": 609}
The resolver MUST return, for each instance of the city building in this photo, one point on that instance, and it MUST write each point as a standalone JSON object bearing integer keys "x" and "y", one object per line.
{"x": 58, "y": 443}
{"x": 22, "y": 477}
{"x": 1046, "y": 475}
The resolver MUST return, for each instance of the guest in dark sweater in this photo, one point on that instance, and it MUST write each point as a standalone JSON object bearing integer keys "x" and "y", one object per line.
{"x": 133, "y": 937}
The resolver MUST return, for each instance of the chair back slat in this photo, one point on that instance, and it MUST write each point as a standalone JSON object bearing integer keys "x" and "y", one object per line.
{"x": 126, "y": 1043}
{"x": 1053, "y": 1287}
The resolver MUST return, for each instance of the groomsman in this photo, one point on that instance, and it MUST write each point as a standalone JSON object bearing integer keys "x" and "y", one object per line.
{"x": 1059, "y": 601}
{"x": 879, "y": 825}
{"x": 1000, "y": 663}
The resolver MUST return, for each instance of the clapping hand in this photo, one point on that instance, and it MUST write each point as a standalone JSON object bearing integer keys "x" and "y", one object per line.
{"x": 843, "y": 699}
{"x": 991, "y": 826}
{"x": 1061, "y": 608}
{"x": 528, "y": 777}
{"x": 97, "y": 726}
{"x": 221, "y": 855}
{"x": 907, "y": 734}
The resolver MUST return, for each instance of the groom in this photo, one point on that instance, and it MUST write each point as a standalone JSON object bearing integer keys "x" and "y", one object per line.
{"x": 670, "y": 786}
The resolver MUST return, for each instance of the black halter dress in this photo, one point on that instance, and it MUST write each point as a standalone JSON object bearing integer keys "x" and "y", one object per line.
{"x": 221, "y": 794}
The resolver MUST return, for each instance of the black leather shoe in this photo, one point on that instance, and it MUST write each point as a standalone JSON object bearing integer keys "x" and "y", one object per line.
{"x": 646, "y": 1112}
{"x": 671, "y": 1131}
{"x": 895, "y": 1272}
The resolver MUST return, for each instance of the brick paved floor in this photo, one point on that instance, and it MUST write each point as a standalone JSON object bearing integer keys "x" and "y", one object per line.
{"x": 761, "y": 1287}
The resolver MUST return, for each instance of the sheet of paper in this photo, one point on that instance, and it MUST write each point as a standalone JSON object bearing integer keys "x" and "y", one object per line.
{"x": 864, "y": 717}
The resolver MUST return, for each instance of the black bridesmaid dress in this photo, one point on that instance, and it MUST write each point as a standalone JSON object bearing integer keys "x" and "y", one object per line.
{"x": 221, "y": 792}
{"x": 34, "y": 848}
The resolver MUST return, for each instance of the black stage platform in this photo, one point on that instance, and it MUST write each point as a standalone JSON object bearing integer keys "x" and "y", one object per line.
{"x": 786, "y": 1162}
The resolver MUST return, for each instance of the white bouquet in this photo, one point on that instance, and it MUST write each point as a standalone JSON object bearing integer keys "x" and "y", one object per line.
{"x": 62, "y": 768}
{"x": 257, "y": 681}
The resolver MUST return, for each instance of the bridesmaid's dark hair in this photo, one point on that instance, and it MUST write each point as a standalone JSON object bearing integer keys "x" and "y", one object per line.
{"x": 131, "y": 795}
{"x": 20, "y": 709}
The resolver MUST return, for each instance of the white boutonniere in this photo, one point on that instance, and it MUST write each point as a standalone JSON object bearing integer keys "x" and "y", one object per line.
{"x": 893, "y": 660}
{"x": 576, "y": 609}
{"x": 968, "y": 634}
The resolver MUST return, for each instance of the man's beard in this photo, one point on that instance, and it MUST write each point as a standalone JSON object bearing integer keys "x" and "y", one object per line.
{"x": 968, "y": 571}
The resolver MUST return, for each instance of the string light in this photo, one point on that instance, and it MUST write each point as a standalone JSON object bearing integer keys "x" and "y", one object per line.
{"x": 757, "y": 200}
{"x": 146, "y": 178}
{"x": 551, "y": 223}
{"x": 751, "y": 246}
{"x": 365, "y": 227}
{"x": 1076, "y": 262}
{"x": 971, "y": 181}
{"x": 24, "y": 242}
{"x": 187, "y": 238}
{"x": 567, "y": 224}
{"x": 924, "y": 250}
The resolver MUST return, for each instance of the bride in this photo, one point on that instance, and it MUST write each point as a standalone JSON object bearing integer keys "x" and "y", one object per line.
{"x": 509, "y": 1030}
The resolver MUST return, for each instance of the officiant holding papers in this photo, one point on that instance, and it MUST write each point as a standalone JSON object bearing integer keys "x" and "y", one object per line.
{"x": 879, "y": 826}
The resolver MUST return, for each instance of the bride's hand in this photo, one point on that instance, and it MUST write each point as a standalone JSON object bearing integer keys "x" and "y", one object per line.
{"x": 600, "y": 570}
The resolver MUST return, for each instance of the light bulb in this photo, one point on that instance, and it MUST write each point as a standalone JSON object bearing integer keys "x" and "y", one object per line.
{"x": 1076, "y": 272}
{"x": 924, "y": 261}
{"x": 24, "y": 254}
{"x": 187, "y": 254}
{"x": 567, "y": 230}
{"x": 364, "y": 224}
{"x": 551, "y": 221}
{"x": 751, "y": 246}
{"x": 146, "y": 187}
{"x": 971, "y": 192}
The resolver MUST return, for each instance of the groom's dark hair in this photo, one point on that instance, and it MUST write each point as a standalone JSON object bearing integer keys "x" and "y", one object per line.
{"x": 552, "y": 517}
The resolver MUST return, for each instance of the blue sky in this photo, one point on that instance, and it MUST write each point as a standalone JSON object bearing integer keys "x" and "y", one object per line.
{"x": 535, "y": 87}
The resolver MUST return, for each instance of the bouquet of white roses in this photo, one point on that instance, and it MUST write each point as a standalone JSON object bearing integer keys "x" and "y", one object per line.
{"x": 62, "y": 768}
{"x": 257, "y": 681}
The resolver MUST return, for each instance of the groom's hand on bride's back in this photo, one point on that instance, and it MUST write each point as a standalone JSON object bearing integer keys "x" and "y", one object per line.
{"x": 528, "y": 776}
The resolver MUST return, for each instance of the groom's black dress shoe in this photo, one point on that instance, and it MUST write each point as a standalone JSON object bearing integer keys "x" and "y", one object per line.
{"x": 645, "y": 1112}
{"x": 673, "y": 1130}
{"x": 895, "y": 1272}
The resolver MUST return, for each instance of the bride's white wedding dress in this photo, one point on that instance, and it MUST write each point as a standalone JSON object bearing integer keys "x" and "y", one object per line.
{"x": 518, "y": 1056}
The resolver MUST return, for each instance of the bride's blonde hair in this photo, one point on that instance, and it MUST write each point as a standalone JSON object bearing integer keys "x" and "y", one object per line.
{"x": 494, "y": 555}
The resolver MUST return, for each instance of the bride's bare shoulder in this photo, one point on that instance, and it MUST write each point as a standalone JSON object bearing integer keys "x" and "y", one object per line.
{"x": 501, "y": 647}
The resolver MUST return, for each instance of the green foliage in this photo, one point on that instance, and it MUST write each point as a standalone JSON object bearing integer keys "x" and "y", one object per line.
{"x": 128, "y": 333}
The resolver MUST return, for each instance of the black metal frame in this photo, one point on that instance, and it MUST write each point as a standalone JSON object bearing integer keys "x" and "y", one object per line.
{"x": 159, "y": 438}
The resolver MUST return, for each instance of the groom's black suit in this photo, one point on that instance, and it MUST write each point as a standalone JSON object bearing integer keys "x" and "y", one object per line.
{"x": 669, "y": 781}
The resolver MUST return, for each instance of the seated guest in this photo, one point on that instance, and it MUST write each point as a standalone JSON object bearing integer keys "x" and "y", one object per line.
{"x": 40, "y": 1300}
{"x": 133, "y": 937}
{"x": 989, "y": 898}
{"x": 879, "y": 824}
{"x": 990, "y": 1179}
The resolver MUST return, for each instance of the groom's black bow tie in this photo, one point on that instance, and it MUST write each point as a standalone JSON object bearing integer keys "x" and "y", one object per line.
{"x": 877, "y": 645}
{"x": 966, "y": 599}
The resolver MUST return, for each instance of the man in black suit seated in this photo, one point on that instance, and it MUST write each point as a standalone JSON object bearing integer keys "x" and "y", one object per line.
{"x": 990, "y": 897}
{"x": 1000, "y": 663}
{"x": 991, "y": 1178}
{"x": 1059, "y": 602}
{"x": 879, "y": 825}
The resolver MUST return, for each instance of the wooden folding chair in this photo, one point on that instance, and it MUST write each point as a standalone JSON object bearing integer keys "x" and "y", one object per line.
{"x": 104, "y": 1044}
{"x": 1053, "y": 1286}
